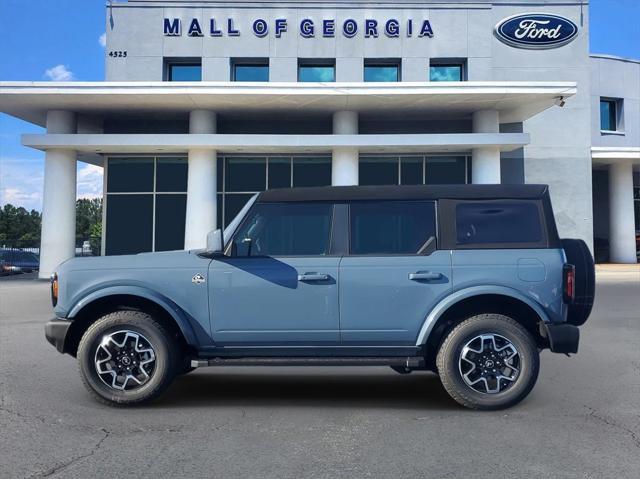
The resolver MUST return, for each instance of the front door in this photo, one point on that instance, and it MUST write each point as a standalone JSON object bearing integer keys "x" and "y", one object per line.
{"x": 278, "y": 284}
{"x": 394, "y": 274}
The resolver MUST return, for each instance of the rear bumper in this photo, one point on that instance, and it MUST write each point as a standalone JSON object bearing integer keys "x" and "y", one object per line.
{"x": 56, "y": 331}
{"x": 563, "y": 338}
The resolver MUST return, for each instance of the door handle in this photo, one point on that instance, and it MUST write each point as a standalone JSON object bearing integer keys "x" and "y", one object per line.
{"x": 313, "y": 277}
{"x": 425, "y": 276}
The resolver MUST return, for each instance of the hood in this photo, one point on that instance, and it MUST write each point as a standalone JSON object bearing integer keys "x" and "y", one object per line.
{"x": 163, "y": 259}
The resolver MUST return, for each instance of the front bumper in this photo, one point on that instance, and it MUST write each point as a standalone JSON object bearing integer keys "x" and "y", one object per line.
{"x": 563, "y": 338}
{"x": 56, "y": 331}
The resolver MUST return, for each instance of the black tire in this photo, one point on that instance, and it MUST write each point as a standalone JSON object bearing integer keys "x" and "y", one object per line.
{"x": 165, "y": 366}
{"x": 578, "y": 254}
{"x": 448, "y": 362}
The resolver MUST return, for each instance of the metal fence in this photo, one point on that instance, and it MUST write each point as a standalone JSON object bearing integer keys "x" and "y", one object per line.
{"x": 9, "y": 248}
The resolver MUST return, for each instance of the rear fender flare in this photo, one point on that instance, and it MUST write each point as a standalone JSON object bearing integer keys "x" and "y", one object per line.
{"x": 454, "y": 298}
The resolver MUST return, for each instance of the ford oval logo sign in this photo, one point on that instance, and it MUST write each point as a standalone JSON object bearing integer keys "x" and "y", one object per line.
{"x": 536, "y": 31}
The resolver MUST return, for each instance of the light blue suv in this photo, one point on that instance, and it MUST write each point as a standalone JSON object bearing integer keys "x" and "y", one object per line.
{"x": 468, "y": 281}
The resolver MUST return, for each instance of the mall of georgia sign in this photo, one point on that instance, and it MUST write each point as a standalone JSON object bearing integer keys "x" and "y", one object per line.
{"x": 307, "y": 28}
{"x": 536, "y": 31}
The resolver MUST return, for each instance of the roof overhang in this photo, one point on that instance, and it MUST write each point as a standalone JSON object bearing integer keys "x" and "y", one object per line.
{"x": 607, "y": 155}
{"x": 229, "y": 143}
{"x": 515, "y": 101}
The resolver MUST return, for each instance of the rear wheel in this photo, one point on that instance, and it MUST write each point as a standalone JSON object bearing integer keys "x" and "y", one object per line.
{"x": 488, "y": 361}
{"x": 126, "y": 358}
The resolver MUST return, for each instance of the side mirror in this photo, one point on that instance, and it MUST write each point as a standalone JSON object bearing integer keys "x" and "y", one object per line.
{"x": 214, "y": 242}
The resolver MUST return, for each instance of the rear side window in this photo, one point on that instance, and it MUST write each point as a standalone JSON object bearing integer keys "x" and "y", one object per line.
{"x": 285, "y": 229}
{"x": 391, "y": 227}
{"x": 498, "y": 222}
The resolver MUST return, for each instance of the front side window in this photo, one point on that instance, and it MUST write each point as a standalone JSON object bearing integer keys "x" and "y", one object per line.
{"x": 317, "y": 71}
{"x": 446, "y": 72}
{"x": 285, "y": 229}
{"x": 498, "y": 222}
{"x": 608, "y": 115}
{"x": 251, "y": 71}
{"x": 391, "y": 227}
{"x": 381, "y": 71}
{"x": 184, "y": 71}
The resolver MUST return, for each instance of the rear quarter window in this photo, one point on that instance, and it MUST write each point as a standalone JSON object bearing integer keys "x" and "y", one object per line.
{"x": 499, "y": 223}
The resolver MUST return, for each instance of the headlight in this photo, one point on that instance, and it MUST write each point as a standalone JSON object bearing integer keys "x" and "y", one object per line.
{"x": 54, "y": 289}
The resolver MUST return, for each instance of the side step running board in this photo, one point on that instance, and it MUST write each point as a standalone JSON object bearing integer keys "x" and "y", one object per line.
{"x": 407, "y": 362}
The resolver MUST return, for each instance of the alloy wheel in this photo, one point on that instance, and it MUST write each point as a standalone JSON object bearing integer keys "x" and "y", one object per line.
{"x": 489, "y": 363}
{"x": 125, "y": 360}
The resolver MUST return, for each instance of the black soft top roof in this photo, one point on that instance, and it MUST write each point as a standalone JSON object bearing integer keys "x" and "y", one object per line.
{"x": 413, "y": 192}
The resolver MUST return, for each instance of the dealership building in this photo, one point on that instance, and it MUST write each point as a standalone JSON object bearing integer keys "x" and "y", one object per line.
{"x": 206, "y": 103}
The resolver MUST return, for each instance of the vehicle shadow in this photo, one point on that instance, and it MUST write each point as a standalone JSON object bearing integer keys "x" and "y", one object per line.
{"x": 285, "y": 387}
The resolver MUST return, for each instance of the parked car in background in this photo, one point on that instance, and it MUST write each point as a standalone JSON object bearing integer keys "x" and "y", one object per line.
{"x": 470, "y": 282}
{"x": 18, "y": 261}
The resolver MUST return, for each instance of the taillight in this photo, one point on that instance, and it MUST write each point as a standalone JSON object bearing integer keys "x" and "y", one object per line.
{"x": 54, "y": 289}
{"x": 569, "y": 283}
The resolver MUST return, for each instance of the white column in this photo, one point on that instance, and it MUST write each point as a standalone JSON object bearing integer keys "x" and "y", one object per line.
{"x": 486, "y": 160}
{"x": 344, "y": 164}
{"x": 58, "y": 235}
{"x": 622, "y": 243}
{"x": 201, "y": 184}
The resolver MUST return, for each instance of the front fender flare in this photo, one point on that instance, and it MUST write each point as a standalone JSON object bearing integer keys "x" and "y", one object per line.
{"x": 165, "y": 303}
{"x": 437, "y": 312}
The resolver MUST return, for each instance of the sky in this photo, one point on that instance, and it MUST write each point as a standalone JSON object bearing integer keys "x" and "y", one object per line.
{"x": 63, "y": 40}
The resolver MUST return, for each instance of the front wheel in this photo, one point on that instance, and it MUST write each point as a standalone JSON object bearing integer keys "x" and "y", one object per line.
{"x": 488, "y": 361}
{"x": 127, "y": 358}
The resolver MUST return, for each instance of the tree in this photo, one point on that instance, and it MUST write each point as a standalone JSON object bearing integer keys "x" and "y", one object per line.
{"x": 89, "y": 222}
{"x": 19, "y": 227}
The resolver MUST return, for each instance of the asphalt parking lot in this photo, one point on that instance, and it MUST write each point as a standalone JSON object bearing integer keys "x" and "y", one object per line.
{"x": 581, "y": 421}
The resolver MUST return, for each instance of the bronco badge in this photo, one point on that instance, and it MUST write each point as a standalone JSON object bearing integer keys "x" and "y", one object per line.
{"x": 198, "y": 279}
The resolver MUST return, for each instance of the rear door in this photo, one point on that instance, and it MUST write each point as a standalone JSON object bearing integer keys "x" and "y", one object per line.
{"x": 393, "y": 275}
{"x": 279, "y": 284}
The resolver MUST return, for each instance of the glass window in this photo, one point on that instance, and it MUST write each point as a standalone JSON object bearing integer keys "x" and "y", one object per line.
{"x": 170, "y": 220}
{"x": 219, "y": 173}
{"x": 311, "y": 172}
{"x": 251, "y": 72}
{"x": 381, "y": 72}
{"x": 378, "y": 171}
{"x": 411, "y": 171}
{"x": 130, "y": 175}
{"x": 171, "y": 174}
{"x": 446, "y": 72}
{"x": 498, "y": 222}
{"x": 446, "y": 170}
{"x": 391, "y": 227}
{"x": 279, "y": 173}
{"x": 233, "y": 203}
{"x": 245, "y": 174}
{"x": 636, "y": 204}
{"x": 285, "y": 229}
{"x": 184, "y": 71}
{"x": 608, "y": 115}
{"x": 129, "y": 224}
{"x": 310, "y": 72}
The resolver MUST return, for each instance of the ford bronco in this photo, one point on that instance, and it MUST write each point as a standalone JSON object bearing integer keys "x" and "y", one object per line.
{"x": 468, "y": 281}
